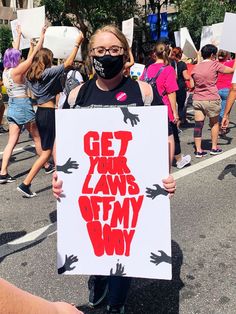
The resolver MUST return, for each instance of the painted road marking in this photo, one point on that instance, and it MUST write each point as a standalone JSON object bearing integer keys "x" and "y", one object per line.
{"x": 20, "y": 149}
{"x": 49, "y": 230}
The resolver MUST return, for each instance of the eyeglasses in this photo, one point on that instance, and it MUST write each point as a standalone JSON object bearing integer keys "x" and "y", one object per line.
{"x": 113, "y": 51}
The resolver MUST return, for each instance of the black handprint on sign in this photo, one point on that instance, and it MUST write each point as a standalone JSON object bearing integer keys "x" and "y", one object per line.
{"x": 119, "y": 270}
{"x": 68, "y": 262}
{"x": 70, "y": 164}
{"x": 134, "y": 119}
{"x": 153, "y": 193}
{"x": 157, "y": 259}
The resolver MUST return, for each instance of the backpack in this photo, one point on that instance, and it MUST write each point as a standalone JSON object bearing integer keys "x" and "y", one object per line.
{"x": 152, "y": 81}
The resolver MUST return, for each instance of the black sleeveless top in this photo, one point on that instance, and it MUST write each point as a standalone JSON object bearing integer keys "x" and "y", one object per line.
{"x": 126, "y": 93}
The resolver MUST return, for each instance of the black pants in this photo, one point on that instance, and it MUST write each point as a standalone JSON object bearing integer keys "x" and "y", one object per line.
{"x": 181, "y": 95}
{"x": 176, "y": 138}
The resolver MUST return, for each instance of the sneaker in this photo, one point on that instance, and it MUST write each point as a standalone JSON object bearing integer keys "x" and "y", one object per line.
{"x": 115, "y": 309}
{"x": 185, "y": 160}
{"x": 200, "y": 154}
{"x": 6, "y": 178}
{"x": 216, "y": 151}
{"x": 25, "y": 189}
{"x": 2, "y": 130}
{"x": 49, "y": 169}
{"x": 98, "y": 288}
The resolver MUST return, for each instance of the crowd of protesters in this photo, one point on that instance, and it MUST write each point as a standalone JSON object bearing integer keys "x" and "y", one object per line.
{"x": 52, "y": 87}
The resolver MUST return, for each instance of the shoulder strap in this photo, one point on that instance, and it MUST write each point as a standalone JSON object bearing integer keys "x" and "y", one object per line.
{"x": 159, "y": 72}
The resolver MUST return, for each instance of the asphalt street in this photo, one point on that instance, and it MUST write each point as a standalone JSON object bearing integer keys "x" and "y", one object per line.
{"x": 203, "y": 216}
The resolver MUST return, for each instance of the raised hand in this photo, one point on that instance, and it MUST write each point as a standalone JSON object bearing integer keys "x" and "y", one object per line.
{"x": 68, "y": 262}
{"x": 70, "y": 164}
{"x": 154, "y": 193}
{"x": 134, "y": 119}
{"x": 119, "y": 270}
{"x": 157, "y": 259}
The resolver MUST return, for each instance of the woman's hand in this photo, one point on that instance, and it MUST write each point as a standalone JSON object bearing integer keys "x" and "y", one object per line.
{"x": 176, "y": 117}
{"x": 18, "y": 29}
{"x": 169, "y": 185}
{"x": 79, "y": 39}
{"x": 56, "y": 186}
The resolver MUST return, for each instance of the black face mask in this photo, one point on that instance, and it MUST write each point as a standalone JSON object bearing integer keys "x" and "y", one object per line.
{"x": 108, "y": 66}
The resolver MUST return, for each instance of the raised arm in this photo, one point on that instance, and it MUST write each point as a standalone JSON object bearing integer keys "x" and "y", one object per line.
{"x": 229, "y": 104}
{"x": 23, "y": 67}
{"x": 228, "y": 70}
{"x": 129, "y": 63}
{"x": 69, "y": 61}
{"x": 16, "y": 44}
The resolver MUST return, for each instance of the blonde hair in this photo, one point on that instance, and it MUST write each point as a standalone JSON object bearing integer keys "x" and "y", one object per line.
{"x": 162, "y": 52}
{"x": 41, "y": 61}
{"x": 116, "y": 32}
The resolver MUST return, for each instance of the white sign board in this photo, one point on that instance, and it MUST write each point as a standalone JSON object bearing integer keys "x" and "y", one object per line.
{"x": 24, "y": 43}
{"x": 114, "y": 216}
{"x": 31, "y": 21}
{"x": 228, "y": 42}
{"x": 186, "y": 43}
{"x": 137, "y": 70}
{"x": 61, "y": 41}
{"x": 177, "y": 38}
{"x": 128, "y": 30}
{"x": 211, "y": 34}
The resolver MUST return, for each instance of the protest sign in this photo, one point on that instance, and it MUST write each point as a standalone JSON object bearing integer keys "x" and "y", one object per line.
{"x": 211, "y": 34}
{"x": 177, "y": 38}
{"x": 114, "y": 216}
{"x": 136, "y": 70}
{"x": 186, "y": 43}
{"x": 61, "y": 41}
{"x": 128, "y": 30}
{"x": 31, "y": 21}
{"x": 227, "y": 41}
{"x": 24, "y": 43}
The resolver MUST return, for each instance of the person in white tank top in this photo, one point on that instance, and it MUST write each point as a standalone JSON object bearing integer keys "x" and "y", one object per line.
{"x": 20, "y": 110}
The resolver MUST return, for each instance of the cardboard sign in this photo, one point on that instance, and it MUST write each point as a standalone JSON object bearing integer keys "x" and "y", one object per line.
{"x": 137, "y": 70}
{"x": 31, "y": 21}
{"x": 177, "y": 38}
{"x": 186, "y": 43}
{"x": 228, "y": 41}
{"x": 61, "y": 41}
{"x": 128, "y": 30}
{"x": 114, "y": 216}
{"x": 24, "y": 43}
{"x": 211, "y": 34}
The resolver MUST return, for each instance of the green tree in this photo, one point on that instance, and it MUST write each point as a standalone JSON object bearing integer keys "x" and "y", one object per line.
{"x": 88, "y": 15}
{"x": 5, "y": 38}
{"x": 194, "y": 14}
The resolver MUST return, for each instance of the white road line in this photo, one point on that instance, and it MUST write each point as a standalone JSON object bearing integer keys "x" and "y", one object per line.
{"x": 48, "y": 230}
{"x": 20, "y": 148}
{"x": 203, "y": 164}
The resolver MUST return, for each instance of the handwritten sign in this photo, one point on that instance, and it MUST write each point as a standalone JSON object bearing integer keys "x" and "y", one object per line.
{"x": 137, "y": 70}
{"x": 56, "y": 35}
{"x": 114, "y": 209}
{"x": 186, "y": 43}
{"x": 31, "y": 21}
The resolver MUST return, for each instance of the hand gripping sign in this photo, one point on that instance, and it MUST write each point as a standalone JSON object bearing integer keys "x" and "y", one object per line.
{"x": 114, "y": 215}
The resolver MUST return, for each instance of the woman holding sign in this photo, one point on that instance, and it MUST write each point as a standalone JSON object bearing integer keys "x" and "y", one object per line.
{"x": 44, "y": 81}
{"x": 20, "y": 109}
{"x": 108, "y": 50}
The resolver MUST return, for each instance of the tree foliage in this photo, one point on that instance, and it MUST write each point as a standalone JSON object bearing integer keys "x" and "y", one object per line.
{"x": 5, "y": 38}
{"x": 195, "y": 14}
{"x": 88, "y": 15}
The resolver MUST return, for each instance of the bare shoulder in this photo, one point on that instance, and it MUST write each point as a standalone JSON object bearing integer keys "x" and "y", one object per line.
{"x": 73, "y": 95}
{"x": 146, "y": 88}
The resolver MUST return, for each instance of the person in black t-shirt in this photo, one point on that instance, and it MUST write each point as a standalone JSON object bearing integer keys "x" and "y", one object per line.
{"x": 108, "y": 51}
{"x": 182, "y": 76}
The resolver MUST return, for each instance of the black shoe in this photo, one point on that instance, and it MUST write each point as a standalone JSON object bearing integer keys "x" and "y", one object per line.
{"x": 25, "y": 189}
{"x": 6, "y": 178}
{"x": 2, "y": 130}
{"x": 98, "y": 287}
{"x": 120, "y": 309}
{"x": 49, "y": 169}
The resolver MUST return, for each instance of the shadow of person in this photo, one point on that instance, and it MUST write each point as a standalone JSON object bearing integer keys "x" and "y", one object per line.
{"x": 229, "y": 169}
{"x": 158, "y": 296}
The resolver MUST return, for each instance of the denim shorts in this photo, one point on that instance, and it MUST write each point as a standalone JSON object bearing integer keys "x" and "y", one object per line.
{"x": 20, "y": 111}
